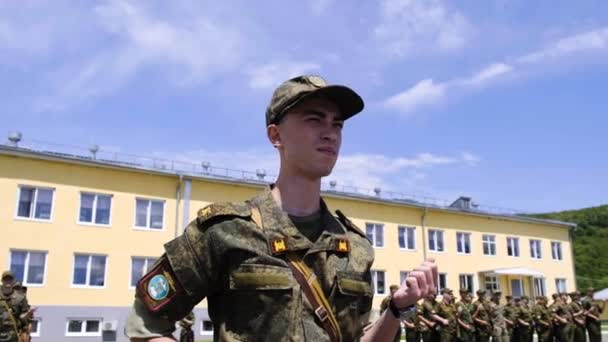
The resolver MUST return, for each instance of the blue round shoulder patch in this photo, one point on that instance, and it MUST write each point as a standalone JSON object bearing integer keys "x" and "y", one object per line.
{"x": 158, "y": 287}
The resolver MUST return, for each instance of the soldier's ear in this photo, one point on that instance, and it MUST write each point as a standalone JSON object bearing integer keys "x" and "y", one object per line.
{"x": 274, "y": 135}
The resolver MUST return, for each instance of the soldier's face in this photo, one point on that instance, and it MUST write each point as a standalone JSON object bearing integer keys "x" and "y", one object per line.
{"x": 309, "y": 137}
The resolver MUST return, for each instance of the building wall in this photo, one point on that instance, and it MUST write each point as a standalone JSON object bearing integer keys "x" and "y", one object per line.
{"x": 63, "y": 236}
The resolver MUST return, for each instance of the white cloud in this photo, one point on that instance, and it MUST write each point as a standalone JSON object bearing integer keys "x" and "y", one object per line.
{"x": 591, "y": 40}
{"x": 409, "y": 27}
{"x": 423, "y": 93}
{"x": 270, "y": 75}
{"x": 490, "y": 72}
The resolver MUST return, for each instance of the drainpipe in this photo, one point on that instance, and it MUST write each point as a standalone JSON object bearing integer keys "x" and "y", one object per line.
{"x": 422, "y": 226}
{"x": 178, "y": 195}
{"x": 571, "y": 239}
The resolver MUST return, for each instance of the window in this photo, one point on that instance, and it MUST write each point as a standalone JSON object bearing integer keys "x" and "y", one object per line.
{"x": 35, "y": 203}
{"x": 28, "y": 267}
{"x": 539, "y": 287}
{"x": 139, "y": 267}
{"x": 149, "y": 214}
{"x": 378, "y": 281}
{"x": 35, "y": 327}
{"x": 491, "y": 283}
{"x": 463, "y": 241}
{"x": 402, "y": 276}
{"x": 83, "y": 327}
{"x": 407, "y": 238}
{"x": 489, "y": 244}
{"x": 436, "y": 240}
{"x": 375, "y": 234}
{"x": 442, "y": 281}
{"x": 89, "y": 270}
{"x": 513, "y": 246}
{"x": 535, "y": 251}
{"x": 556, "y": 250}
{"x": 466, "y": 282}
{"x": 560, "y": 285}
{"x": 206, "y": 327}
{"x": 95, "y": 208}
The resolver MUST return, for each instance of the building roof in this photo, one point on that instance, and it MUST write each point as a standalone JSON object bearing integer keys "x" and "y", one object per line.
{"x": 204, "y": 171}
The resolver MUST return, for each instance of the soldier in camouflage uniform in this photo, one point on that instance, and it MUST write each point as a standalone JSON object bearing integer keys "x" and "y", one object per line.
{"x": 280, "y": 266}
{"x": 563, "y": 319}
{"x": 578, "y": 317}
{"x": 15, "y": 312}
{"x": 543, "y": 319}
{"x": 429, "y": 305}
{"x": 385, "y": 305}
{"x": 497, "y": 316}
{"x": 465, "y": 310}
{"x": 525, "y": 321}
{"x": 593, "y": 311}
{"x": 412, "y": 326}
{"x": 483, "y": 324}
{"x": 567, "y": 309}
{"x": 509, "y": 313}
{"x": 445, "y": 315}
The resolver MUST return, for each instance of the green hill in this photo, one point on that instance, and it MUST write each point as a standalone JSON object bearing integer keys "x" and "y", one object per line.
{"x": 590, "y": 244}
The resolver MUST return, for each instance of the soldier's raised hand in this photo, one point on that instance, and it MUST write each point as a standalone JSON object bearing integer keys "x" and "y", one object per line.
{"x": 419, "y": 283}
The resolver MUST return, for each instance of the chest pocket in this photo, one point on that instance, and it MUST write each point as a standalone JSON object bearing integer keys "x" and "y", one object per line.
{"x": 352, "y": 299}
{"x": 261, "y": 277}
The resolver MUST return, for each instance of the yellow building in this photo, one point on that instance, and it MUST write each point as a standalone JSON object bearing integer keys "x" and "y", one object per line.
{"x": 80, "y": 230}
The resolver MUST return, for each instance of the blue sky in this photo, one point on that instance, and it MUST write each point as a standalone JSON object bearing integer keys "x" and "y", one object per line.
{"x": 503, "y": 101}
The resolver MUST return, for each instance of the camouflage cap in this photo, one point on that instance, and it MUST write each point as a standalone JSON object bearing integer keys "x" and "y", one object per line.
{"x": 7, "y": 274}
{"x": 446, "y": 290}
{"x": 294, "y": 90}
{"x": 497, "y": 293}
{"x": 508, "y": 297}
{"x": 463, "y": 290}
{"x": 481, "y": 292}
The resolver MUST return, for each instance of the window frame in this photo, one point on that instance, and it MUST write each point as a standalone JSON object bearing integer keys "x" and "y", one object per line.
{"x": 375, "y": 233}
{"x": 467, "y": 239}
{"x": 405, "y": 229}
{"x": 540, "y": 249}
{"x": 202, "y": 331}
{"x": 402, "y": 276}
{"x": 147, "y": 228}
{"x": 32, "y": 213}
{"x": 467, "y": 276}
{"x": 543, "y": 286}
{"x": 147, "y": 268}
{"x": 375, "y": 282}
{"x": 94, "y": 209}
{"x": 84, "y": 327}
{"x": 445, "y": 278}
{"x": 38, "y": 326}
{"x": 565, "y": 281}
{"x": 515, "y": 246}
{"x": 560, "y": 250}
{"x": 26, "y": 265}
{"x": 437, "y": 232}
{"x": 490, "y": 244}
{"x": 494, "y": 281}
{"x": 88, "y": 276}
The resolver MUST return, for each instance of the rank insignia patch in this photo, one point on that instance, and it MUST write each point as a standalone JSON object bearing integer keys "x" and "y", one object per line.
{"x": 278, "y": 246}
{"x": 342, "y": 245}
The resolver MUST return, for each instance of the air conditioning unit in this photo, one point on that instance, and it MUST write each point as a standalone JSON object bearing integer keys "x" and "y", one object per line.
{"x": 110, "y": 325}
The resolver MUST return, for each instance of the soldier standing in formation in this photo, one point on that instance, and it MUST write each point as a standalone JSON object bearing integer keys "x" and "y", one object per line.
{"x": 578, "y": 317}
{"x": 413, "y": 326}
{"x": 543, "y": 320}
{"x": 525, "y": 321}
{"x": 15, "y": 312}
{"x": 509, "y": 313}
{"x": 483, "y": 325}
{"x": 593, "y": 311}
{"x": 429, "y": 305}
{"x": 500, "y": 333}
{"x": 445, "y": 316}
{"x": 465, "y": 311}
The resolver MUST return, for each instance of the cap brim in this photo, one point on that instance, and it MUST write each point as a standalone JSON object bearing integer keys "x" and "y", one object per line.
{"x": 347, "y": 100}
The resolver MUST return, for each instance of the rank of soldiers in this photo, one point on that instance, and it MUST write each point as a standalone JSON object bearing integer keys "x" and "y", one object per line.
{"x": 568, "y": 318}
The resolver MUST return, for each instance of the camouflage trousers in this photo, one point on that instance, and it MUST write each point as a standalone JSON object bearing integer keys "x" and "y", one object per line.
{"x": 447, "y": 335}
{"x": 524, "y": 334}
{"x": 430, "y": 336}
{"x": 466, "y": 336}
{"x": 594, "y": 329}
{"x": 579, "y": 333}
{"x": 500, "y": 334}
{"x": 545, "y": 334}
{"x": 482, "y": 336}
{"x": 412, "y": 335}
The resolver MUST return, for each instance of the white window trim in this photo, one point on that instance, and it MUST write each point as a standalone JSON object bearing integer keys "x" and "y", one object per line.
{"x": 82, "y": 334}
{"x": 458, "y": 244}
{"x": 496, "y": 278}
{"x": 92, "y": 223}
{"x": 406, "y": 274}
{"x": 375, "y": 281}
{"x": 472, "y": 280}
{"x": 33, "y": 208}
{"x": 521, "y": 285}
{"x": 148, "y": 215}
{"x": 88, "y": 278}
{"x": 483, "y": 242}
{"x": 442, "y": 237}
{"x": 439, "y": 282}
{"x": 206, "y": 332}
{"x": 565, "y": 285}
{"x": 131, "y": 268}
{"x": 518, "y": 247}
{"x": 414, "y": 238}
{"x": 27, "y": 261}
{"x": 375, "y": 238}
{"x": 540, "y": 249}
{"x": 561, "y": 251}
{"x": 544, "y": 286}
{"x": 37, "y": 333}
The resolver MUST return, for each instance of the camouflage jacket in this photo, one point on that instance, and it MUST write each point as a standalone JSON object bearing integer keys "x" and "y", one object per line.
{"x": 448, "y": 311}
{"x": 542, "y": 314}
{"x": 465, "y": 314}
{"x": 241, "y": 269}
{"x": 497, "y": 315}
{"x": 481, "y": 309}
{"x": 10, "y": 323}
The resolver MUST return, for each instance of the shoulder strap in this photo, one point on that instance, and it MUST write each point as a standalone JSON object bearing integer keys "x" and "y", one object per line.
{"x": 310, "y": 286}
{"x": 349, "y": 224}
{"x": 10, "y": 314}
